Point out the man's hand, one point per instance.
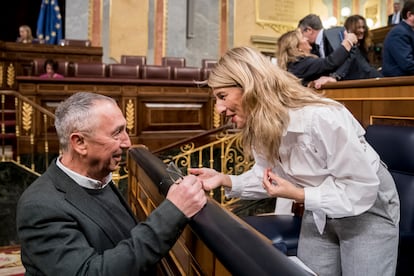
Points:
(188, 195)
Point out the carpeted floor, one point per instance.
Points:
(10, 263)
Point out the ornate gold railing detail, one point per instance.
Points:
(130, 115)
(11, 74)
(3, 128)
(216, 119)
(225, 154)
(1, 74)
(27, 111)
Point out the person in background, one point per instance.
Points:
(51, 67)
(308, 149)
(323, 42)
(25, 34)
(357, 65)
(294, 55)
(73, 221)
(395, 17)
(358, 25)
(398, 50)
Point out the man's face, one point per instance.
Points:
(107, 142)
(310, 34)
(396, 7)
(410, 19)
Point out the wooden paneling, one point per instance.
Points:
(163, 112)
(21, 51)
(159, 113)
(16, 58)
(381, 98)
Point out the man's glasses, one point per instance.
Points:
(174, 172)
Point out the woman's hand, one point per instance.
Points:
(210, 178)
(350, 39)
(276, 186)
(321, 81)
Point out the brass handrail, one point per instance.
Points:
(193, 138)
(29, 101)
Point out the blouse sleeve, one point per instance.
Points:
(249, 184)
(351, 183)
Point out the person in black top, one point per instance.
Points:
(323, 42)
(294, 55)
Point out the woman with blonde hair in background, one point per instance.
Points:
(294, 55)
(308, 149)
(25, 34)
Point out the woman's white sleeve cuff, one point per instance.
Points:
(312, 198)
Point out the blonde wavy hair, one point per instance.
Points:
(268, 94)
(287, 48)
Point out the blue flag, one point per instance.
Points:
(49, 23)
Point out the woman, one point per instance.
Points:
(358, 66)
(309, 149)
(358, 25)
(50, 66)
(294, 54)
(25, 34)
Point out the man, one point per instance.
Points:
(73, 221)
(323, 42)
(398, 51)
(395, 17)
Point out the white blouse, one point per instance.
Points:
(324, 151)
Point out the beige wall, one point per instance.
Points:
(278, 16)
(270, 18)
(128, 34)
(255, 21)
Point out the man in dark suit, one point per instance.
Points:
(398, 51)
(396, 16)
(323, 42)
(73, 221)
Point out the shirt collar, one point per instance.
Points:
(84, 181)
(319, 37)
(299, 118)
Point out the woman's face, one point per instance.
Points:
(23, 33)
(229, 103)
(360, 29)
(304, 45)
(49, 69)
